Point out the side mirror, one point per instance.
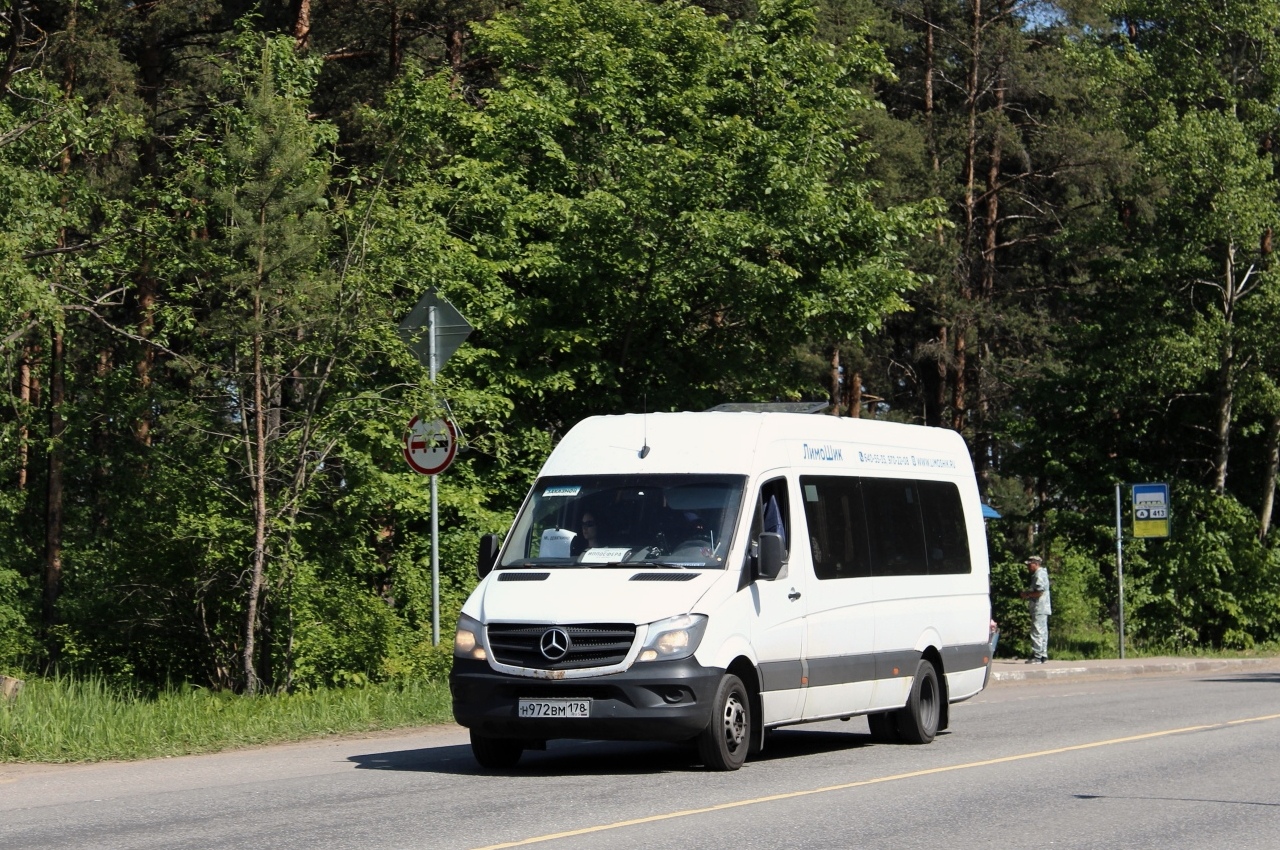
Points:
(769, 564)
(489, 545)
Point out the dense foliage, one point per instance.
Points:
(1047, 226)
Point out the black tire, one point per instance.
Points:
(724, 744)
(918, 720)
(495, 753)
(884, 727)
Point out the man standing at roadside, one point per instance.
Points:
(1037, 596)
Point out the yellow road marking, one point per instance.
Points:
(791, 795)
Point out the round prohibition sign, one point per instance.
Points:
(429, 446)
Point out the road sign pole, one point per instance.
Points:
(435, 515)
(1120, 564)
(435, 567)
(445, 331)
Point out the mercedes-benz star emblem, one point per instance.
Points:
(554, 644)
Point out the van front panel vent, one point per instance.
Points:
(664, 576)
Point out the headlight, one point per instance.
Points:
(467, 640)
(673, 638)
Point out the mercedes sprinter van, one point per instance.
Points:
(707, 577)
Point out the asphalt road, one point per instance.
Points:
(1185, 758)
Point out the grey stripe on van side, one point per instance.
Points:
(841, 669)
(896, 664)
(957, 659)
(781, 675)
(867, 667)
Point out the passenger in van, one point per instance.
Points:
(588, 534)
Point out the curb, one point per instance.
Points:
(1005, 671)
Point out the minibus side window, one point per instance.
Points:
(945, 534)
(772, 513)
(837, 526)
(896, 530)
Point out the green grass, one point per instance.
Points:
(70, 720)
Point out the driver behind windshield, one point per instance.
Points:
(588, 534)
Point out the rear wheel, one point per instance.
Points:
(918, 720)
(723, 745)
(495, 753)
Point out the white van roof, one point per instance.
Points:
(744, 443)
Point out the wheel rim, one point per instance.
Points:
(735, 722)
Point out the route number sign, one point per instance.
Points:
(1150, 510)
(430, 445)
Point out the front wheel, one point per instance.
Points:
(723, 745)
(918, 719)
(495, 753)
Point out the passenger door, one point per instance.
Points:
(778, 608)
(840, 626)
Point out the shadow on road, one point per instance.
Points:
(580, 758)
(1174, 800)
(606, 758)
(1265, 678)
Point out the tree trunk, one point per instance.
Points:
(258, 481)
(146, 358)
(1226, 375)
(960, 364)
(301, 24)
(397, 47)
(152, 69)
(987, 289)
(28, 399)
(991, 224)
(936, 402)
(57, 426)
(930, 60)
(1269, 482)
(54, 498)
(971, 115)
(455, 47)
(1222, 416)
(959, 387)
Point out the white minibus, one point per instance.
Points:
(707, 577)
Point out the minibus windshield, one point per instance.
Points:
(673, 521)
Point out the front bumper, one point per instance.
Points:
(658, 701)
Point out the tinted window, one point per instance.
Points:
(884, 527)
(837, 528)
(945, 535)
(896, 533)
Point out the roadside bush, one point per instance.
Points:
(1213, 583)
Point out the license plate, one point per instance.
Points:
(552, 708)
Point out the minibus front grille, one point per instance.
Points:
(589, 645)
